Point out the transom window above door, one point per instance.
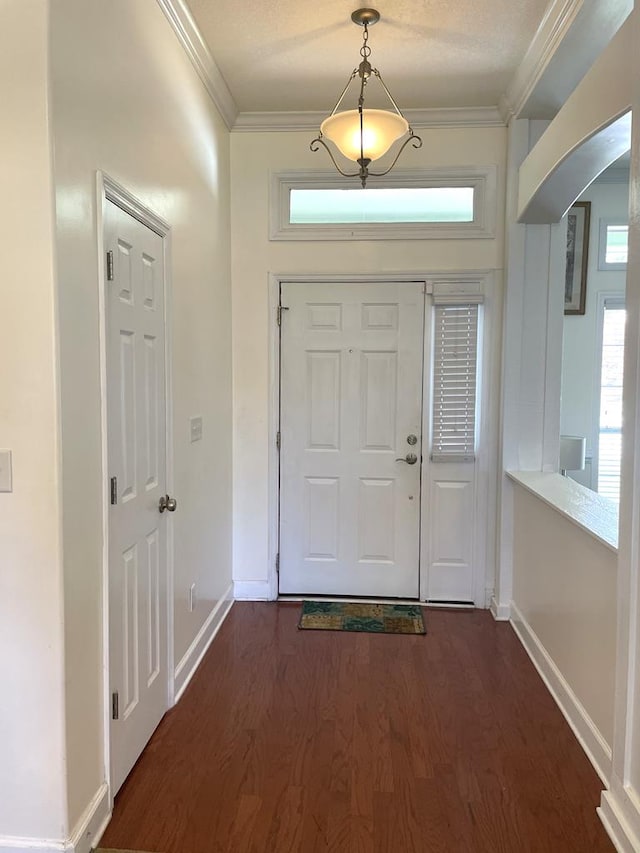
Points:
(381, 204)
(457, 203)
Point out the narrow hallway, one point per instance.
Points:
(316, 741)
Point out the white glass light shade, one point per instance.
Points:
(380, 128)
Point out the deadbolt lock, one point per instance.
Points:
(412, 439)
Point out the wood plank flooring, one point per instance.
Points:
(292, 741)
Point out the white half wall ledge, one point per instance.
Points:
(591, 131)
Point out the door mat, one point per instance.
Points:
(370, 618)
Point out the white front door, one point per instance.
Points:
(351, 403)
(136, 425)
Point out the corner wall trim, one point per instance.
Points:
(252, 591)
(595, 746)
(196, 48)
(192, 658)
(93, 822)
(500, 612)
(618, 829)
(83, 839)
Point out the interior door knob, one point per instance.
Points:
(410, 459)
(170, 504)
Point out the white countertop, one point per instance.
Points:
(589, 510)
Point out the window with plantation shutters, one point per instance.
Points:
(455, 360)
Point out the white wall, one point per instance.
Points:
(126, 100)
(580, 355)
(31, 650)
(254, 156)
(564, 587)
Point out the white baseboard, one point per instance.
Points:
(12, 844)
(595, 746)
(88, 831)
(84, 837)
(191, 660)
(500, 612)
(623, 836)
(252, 591)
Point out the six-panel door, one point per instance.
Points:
(136, 426)
(351, 388)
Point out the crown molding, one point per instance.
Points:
(186, 29)
(554, 26)
(572, 35)
(251, 122)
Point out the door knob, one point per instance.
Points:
(170, 504)
(410, 459)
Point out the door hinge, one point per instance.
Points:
(109, 266)
(278, 564)
(281, 308)
(278, 439)
(428, 288)
(114, 491)
(115, 706)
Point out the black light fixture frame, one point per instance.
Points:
(365, 18)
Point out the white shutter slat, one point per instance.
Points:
(455, 358)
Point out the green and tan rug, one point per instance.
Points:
(371, 618)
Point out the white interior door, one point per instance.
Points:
(351, 394)
(136, 423)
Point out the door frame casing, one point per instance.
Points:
(456, 281)
(109, 190)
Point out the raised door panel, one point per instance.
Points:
(128, 420)
(130, 627)
(323, 400)
(376, 521)
(451, 537)
(152, 607)
(151, 440)
(378, 400)
(322, 518)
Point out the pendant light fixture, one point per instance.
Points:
(365, 135)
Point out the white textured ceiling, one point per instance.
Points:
(285, 55)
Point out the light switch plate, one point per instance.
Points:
(6, 479)
(195, 427)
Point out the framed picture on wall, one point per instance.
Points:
(575, 283)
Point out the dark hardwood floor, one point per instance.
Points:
(313, 741)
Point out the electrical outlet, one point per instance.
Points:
(192, 598)
(6, 480)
